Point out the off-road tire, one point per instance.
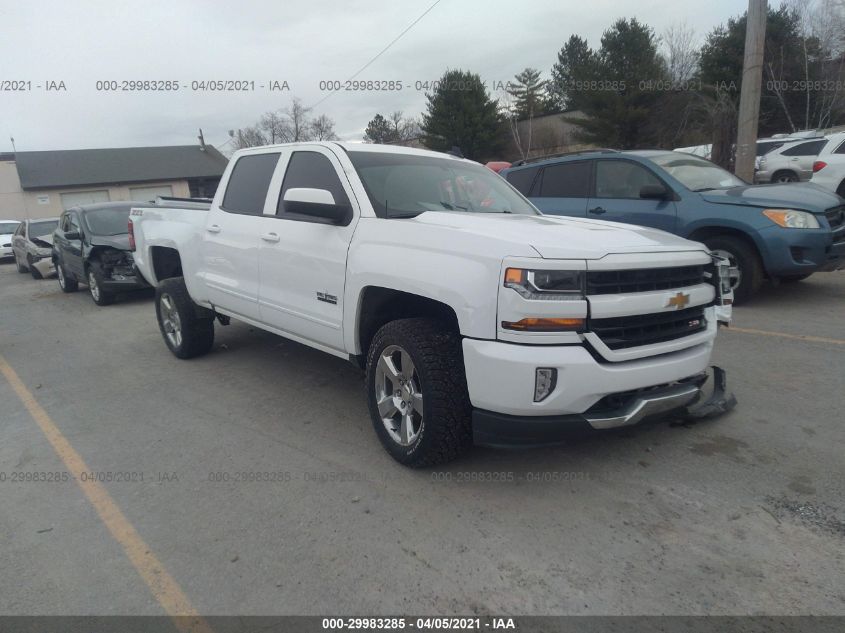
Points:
(446, 428)
(65, 283)
(196, 323)
(746, 257)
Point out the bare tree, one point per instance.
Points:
(522, 135)
(248, 137)
(322, 129)
(403, 129)
(274, 126)
(680, 51)
(298, 122)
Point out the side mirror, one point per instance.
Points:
(316, 203)
(73, 235)
(654, 192)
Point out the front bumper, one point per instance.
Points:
(682, 398)
(125, 283)
(803, 251)
(44, 265)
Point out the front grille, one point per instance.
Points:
(606, 282)
(646, 329)
(836, 217)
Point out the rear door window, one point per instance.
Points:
(247, 188)
(806, 149)
(522, 179)
(566, 180)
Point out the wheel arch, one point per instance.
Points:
(703, 233)
(378, 305)
(166, 263)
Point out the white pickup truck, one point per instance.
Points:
(476, 317)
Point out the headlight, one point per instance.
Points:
(546, 285)
(791, 219)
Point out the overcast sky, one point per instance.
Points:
(301, 42)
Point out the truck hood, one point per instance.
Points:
(560, 238)
(120, 242)
(804, 196)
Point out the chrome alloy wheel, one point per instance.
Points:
(92, 285)
(399, 395)
(170, 320)
(60, 273)
(734, 272)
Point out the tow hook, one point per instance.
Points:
(720, 401)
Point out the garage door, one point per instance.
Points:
(142, 194)
(77, 198)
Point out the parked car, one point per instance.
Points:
(91, 246)
(32, 246)
(7, 230)
(475, 316)
(791, 162)
(783, 232)
(829, 168)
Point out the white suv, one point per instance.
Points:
(792, 162)
(829, 166)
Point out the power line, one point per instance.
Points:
(382, 51)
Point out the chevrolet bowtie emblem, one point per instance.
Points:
(680, 301)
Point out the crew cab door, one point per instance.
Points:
(302, 259)
(617, 197)
(229, 244)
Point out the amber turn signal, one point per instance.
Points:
(540, 324)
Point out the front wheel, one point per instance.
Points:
(745, 269)
(186, 333)
(65, 283)
(417, 392)
(95, 286)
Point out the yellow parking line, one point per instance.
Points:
(796, 337)
(165, 589)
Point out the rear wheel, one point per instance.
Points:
(95, 286)
(785, 176)
(417, 392)
(187, 331)
(65, 283)
(36, 274)
(746, 269)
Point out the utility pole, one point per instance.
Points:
(749, 96)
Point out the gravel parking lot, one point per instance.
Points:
(252, 478)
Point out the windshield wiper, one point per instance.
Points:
(400, 216)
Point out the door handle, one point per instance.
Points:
(270, 237)
(214, 228)
(598, 210)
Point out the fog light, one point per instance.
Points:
(544, 383)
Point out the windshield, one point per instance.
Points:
(404, 185)
(696, 173)
(8, 227)
(109, 221)
(37, 229)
